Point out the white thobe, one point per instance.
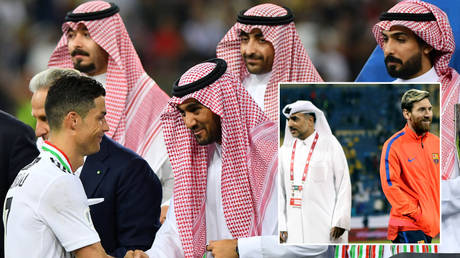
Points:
(167, 241)
(429, 77)
(256, 84)
(157, 157)
(326, 194)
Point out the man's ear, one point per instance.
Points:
(427, 49)
(72, 120)
(406, 114)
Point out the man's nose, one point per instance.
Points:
(189, 120)
(41, 129)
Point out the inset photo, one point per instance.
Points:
(359, 163)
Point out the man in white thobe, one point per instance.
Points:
(315, 192)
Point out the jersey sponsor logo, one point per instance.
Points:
(435, 158)
(410, 160)
(59, 165)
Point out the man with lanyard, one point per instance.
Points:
(409, 173)
(263, 49)
(46, 211)
(315, 198)
(96, 42)
(223, 151)
(129, 193)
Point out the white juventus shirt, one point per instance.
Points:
(46, 211)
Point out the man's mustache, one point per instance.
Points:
(392, 59)
(79, 52)
(253, 56)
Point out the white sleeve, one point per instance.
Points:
(450, 196)
(342, 210)
(166, 176)
(167, 241)
(268, 245)
(157, 157)
(64, 207)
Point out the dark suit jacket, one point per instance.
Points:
(128, 218)
(17, 149)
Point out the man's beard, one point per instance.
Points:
(420, 127)
(408, 69)
(84, 68)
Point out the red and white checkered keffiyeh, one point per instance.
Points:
(449, 97)
(291, 63)
(437, 34)
(249, 160)
(133, 101)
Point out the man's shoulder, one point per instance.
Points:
(9, 126)
(117, 157)
(42, 171)
(115, 150)
(395, 139)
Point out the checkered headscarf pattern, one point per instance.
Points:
(437, 34)
(291, 63)
(133, 101)
(449, 97)
(249, 160)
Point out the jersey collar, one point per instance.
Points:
(59, 154)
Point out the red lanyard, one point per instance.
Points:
(308, 159)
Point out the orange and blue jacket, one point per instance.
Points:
(410, 177)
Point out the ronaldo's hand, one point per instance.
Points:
(336, 232)
(223, 248)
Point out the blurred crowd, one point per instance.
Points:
(172, 35)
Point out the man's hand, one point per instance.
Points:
(164, 210)
(223, 248)
(136, 254)
(283, 236)
(336, 232)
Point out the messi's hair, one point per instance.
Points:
(411, 96)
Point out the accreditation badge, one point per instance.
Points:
(296, 196)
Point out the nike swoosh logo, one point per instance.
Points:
(410, 160)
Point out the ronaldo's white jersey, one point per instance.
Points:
(46, 211)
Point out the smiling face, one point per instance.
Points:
(405, 56)
(258, 53)
(420, 117)
(87, 56)
(92, 128)
(205, 125)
